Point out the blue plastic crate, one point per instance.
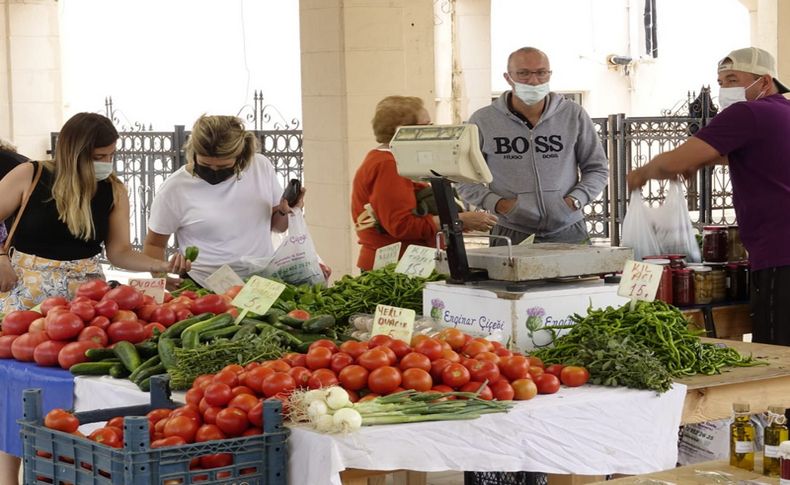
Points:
(54, 457)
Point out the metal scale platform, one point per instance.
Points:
(451, 153)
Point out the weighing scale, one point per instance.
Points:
(442, 154)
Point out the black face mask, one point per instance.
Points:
(213, 176)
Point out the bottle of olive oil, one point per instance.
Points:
(775, 433)
(741, 438)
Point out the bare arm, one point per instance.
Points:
(685, 159)
(13, 188)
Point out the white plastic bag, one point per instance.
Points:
(665, 229)
(295, 261)
(638, 232)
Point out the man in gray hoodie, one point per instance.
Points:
(545, 156)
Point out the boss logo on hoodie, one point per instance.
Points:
(513, 148)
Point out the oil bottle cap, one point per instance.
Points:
(776, 409)
(740, 407)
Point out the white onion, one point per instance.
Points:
(316, 409)
(347, 419)
(337, 398)
(325, 423)
(313, 395)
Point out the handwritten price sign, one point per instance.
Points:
(396, 322)
(417, 261)
(258, 295)
(223, 279)
(155, 287)
(387, 255)
(640, 280)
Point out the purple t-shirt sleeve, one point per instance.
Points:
(731, 129)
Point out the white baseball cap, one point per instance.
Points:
(753, 60)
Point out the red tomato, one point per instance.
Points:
(547, 383)
(354, 348)
(322, 378)
(216, 460)
(232, 421)
(417, 379)
(377, 340)
(61, 420)
(354, 377)
(209, 432)
(151, 327)
(181, 426)
(488, 356)
(83, 309)
(373, 359)
(156, 415)
(515, 367)
(74, 353)
(417, 339)
(475, 346)
(210, 414)
(451, 355)
(384, 380)
(300, 314)
(555, 369)
(37, 325)
(6, 341)
(203, 380)
(524, 389)
(400, 347)
(218, 394)
(484, 392)
(323, 343)
(392, 359)
(231, 292)
(46, 353)
(106, 437)
(301, 375)
(318, 358)
(245, 402)
(503, 352)
(443, 388)
(194, 395)
(64, 326)
(93, 289)
(52, 302)
(574, 376)
(277, 365)
(430, 347)
(145, 311)
(209, 303)
(101, 322)
(18, 322)
(437, 367)
(535, 361)
(455, 375)
(277, 383)
(254, 378)
(483, 370)
(535, 371)
(95, 334)
(255, 415)
(131, 331)
(294, 359)
(190, 411)
(127, 297)
(339, 361)
(368, 397)
(169, 441)
(107, 308)
(23, 346)
(164, 315)
(242, 389)
(503, 391)
(183, 314)
(415, 360)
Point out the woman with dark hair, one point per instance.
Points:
(77, 206)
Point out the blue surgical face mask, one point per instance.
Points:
(530, 94)
(102, 169)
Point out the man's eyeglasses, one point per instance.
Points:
(525, 74)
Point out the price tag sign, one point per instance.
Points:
(223, 279)
(640, 280)
(387, 255)
(396, 322)
(529, 240)
(258, 295)
(155, 287)
(417, 261)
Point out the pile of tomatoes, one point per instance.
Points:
(61, 331)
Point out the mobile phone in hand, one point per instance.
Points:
(292, 192)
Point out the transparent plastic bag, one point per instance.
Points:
(638, 231)
(672, 224)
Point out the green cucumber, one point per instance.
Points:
(91, 368)
(145, 385)
(128, 354)
(190, 338)
(146, 349)
(119, 371)
(245, 330)
(151, 362)
(273, 314)
(167, 352)
(177, 328)
(318, 324)
(220, 332)
(292, 321)
(95, 355)
(147, 373)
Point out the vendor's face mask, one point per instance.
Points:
(730, 96)
(213, 176)
(531, 94)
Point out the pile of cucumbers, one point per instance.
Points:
(157, 355)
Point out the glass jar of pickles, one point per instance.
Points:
(735, 249)
(703, 285)
(719, 282)
(714, 244)
(683, 287)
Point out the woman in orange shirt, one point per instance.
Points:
(382, 202)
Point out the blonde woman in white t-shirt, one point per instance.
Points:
(226, 200)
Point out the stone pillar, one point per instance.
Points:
(30, 91)
(354, 53)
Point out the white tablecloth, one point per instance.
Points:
(588, 431)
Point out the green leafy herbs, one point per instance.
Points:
(644, 348)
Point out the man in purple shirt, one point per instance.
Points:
(753, 133)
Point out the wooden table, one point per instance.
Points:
(721, 320)
(708, 398)
(700, 474)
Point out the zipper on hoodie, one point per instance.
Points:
(538, 186)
